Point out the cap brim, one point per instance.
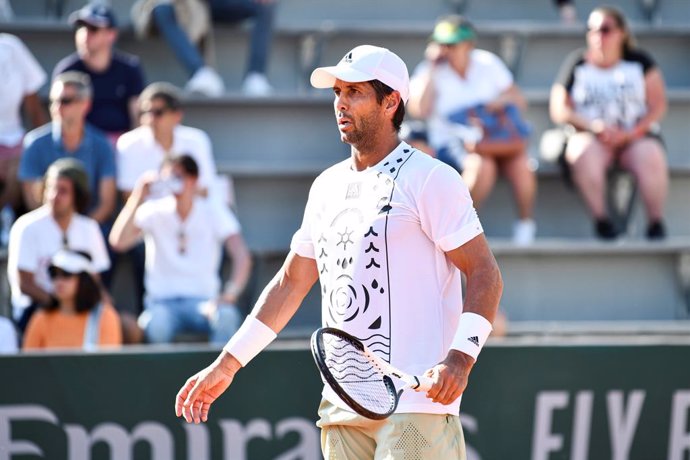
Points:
(75, 19)
(325, 77)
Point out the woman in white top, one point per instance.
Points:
(613, 95)
(456, 76)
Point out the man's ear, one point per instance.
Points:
(392, 101)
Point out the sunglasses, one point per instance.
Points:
(64, 100)
(55, 273)
(156, 113)
(603, 30)
(182, 242)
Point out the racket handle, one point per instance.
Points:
(424, 383)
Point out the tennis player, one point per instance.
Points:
(387, 232)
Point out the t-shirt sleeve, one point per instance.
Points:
(447, 214)
(110, 332)
(144, 216)
(99, 253)
(302, 243)
(225, 221)
(566, 74)
(30, 165)
(33, 74)
(126, 176)
(28, 259)
(645, 59)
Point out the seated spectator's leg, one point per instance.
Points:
(160, 320)
(224, 324)
(184, 49)
(262, 29)
(590, 160)
(479, 174)
(646, 160)
(10, 190)
(523, 182)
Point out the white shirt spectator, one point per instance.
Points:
(21, 75)
(35, 237)
(487, 77)
(183, 257)
(8, 337)
(138, 152)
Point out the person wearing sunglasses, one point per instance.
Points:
(184, 234)
(613, 95)
(78, 318)
(117, 77)
(59, 223)
(69, 135)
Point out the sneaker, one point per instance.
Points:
(656, 230)
(605, 229)
(256, 84)
(524, 231)
(206, 81)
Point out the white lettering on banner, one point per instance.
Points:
(119, 440)
(622, 423)
(581, 425)
(158, 436)
(679, 438)
(8, 448)
(543, 441)
(470, 425)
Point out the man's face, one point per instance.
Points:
(158, 116)
(59, 195)
(357, 112)
(91, 40)
(67, 105)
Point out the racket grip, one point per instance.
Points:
(424, 383)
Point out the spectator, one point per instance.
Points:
(117, 77)
(456, 77)
(68, 135)
(184, 23)
(79, 318)
(39, 234)
(183, 234)
(566, 10)
(22, 77)
(161, 136)
(8, 337)
(613, 94)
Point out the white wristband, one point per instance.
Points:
(473, 330)
(252, 337)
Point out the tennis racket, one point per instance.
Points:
(359, 377)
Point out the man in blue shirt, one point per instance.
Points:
(68, 135)
(117, 77)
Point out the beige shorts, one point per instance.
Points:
(348, 436)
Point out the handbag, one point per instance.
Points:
(504, 132)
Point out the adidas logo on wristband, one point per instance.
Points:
(474, 339)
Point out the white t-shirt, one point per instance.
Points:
(487, 77)
(20, 75)
(138, 152)
(8, 337)
(379, 238)
(183, 258)
(35, 237)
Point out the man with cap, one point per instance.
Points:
(378, 226)
(68, 135)
(36, 236)
(117, 77)
(455, 76)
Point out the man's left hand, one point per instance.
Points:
(450, 377)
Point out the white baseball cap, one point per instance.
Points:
(365, 63)
(70, 261)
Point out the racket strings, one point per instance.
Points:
(357, 375)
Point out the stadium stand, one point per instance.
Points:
(566, 278)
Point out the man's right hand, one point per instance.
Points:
(194, 399)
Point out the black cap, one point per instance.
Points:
(96, 15)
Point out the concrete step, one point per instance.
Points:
(534, 51)
(560, 284)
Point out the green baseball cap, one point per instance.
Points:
(452, 30)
